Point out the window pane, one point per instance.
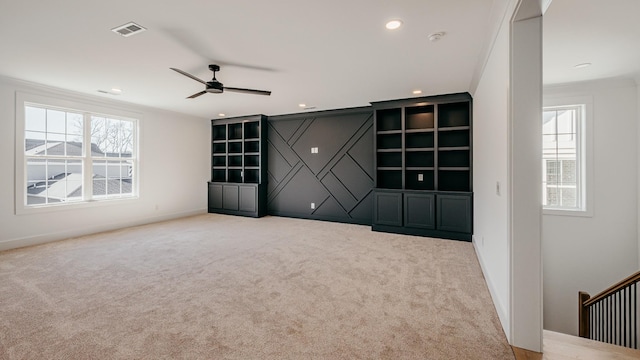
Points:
(552, 172)
(75, 128)
(552, 196)
(566, 121)
(99, 177)
(549, 122)
(549, 142)
(569, 172)
(127, 139)
(34, 143)
(53, 181)
(35, 119)
(112, 138)
(98, 136)
(568, 197)
(561, 179)
(46, 132)
(56, 122)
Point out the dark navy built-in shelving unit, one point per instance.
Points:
(238, 166)
(423, 183)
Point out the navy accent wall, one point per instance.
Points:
(338, 178)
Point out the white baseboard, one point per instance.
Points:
(500, 307)
(50, 237)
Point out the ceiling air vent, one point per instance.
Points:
(128, 29)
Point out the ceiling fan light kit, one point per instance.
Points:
(216, 87)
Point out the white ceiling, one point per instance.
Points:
(326, 54)
(604, 33)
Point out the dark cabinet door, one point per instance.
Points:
(215, 196)
(236, 199)
(419, 210)
(387, 208)
(454, 212)
(230, 197)
(248, 198)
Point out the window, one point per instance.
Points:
(563, 158)
(74, 156)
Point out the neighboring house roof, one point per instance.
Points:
(102, 186)
(74, 148)
(63, 186)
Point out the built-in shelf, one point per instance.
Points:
(423, 166)
(238, 166)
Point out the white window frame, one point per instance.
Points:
(584, 149)
(88, 109)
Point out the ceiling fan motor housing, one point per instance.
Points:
(214, 87)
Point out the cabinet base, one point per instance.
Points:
(233, 212)
(422, 232)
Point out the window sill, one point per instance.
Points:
(37, 209)
(562, 212)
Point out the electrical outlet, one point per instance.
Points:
(314, 150)
(313, 206)
(498, 188)
(420, 177)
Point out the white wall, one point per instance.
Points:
(174, 168)
(592, 253)
(638, 125)
(490, 159)
(525, 177)
(507, 100)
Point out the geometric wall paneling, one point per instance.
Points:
(279, 144)
(277, 164)
(338, 179)
(363, 150)
(353, 177)
(330, 210)
(330, 134)
(295, 194)
(361, 213)
(286, 129)
(339, 191)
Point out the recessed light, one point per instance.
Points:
(110, 92)
(116, 90)
(393, 24)
(436, 36)
(302, 105)
(222, 114)
(582, 66)
(417, 92)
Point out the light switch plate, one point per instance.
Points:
(420, 177)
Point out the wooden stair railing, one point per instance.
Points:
(612, 315)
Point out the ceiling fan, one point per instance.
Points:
(216, 87)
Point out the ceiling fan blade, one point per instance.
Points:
(197, 94)
(188, 75)
(248, 91)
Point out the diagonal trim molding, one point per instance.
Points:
(337, 180)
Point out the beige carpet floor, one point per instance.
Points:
(224, 287)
